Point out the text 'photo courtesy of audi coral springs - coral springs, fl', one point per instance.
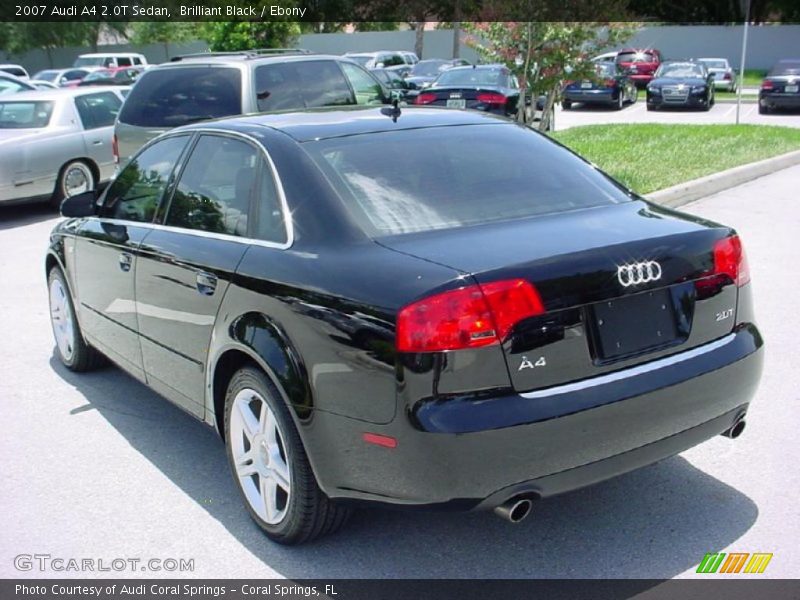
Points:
(375, 305)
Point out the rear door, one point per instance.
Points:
(187, 263)
(107, 248)
(98, 112)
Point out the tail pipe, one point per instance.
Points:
(735, 430)
(515, 509)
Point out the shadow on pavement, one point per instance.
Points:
(25, 214)
(653, 523)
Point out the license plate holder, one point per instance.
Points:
(792, 89)
(633, 324)
(456, 103)
(586, 85)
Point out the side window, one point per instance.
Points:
(135, 193)
(366, 87)
(98, 110)
(124, 61)
(109, 62)
(215, 189)
(393, 60)
(137, 60)
(270, 224)
(72, 75)
(301, 84)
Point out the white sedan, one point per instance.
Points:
(56, 143)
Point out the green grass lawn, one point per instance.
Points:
(648, 156)
(753, 77)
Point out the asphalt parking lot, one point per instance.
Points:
(721, 112)
(97, 466)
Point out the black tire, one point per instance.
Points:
(651, 107)
(82, 356)
(620, 101)
(566, 104)
(309, 512)
(61, 190)
(635, 96)
(763, 110)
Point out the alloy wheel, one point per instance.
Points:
(62, 320)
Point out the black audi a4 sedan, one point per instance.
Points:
(378, 306)
(685, 84)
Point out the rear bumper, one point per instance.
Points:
(601, 96)
(780, 100)
(641, 80)
(560, 442)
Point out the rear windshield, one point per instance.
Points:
(427, 68)
(47, 75)
(25, 115)
(494, 77)
(445, 177)
(786, 68)
(176, 96)
(715, 64)
(90, 61)
(635, 57)
(16, 71)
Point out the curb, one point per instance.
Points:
(689, 191)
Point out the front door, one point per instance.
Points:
(107, 248)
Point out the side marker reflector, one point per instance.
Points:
(380, 440)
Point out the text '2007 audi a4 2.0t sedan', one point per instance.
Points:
(435, 309)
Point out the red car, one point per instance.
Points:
(639, 64)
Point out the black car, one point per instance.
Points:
(781, 87)
(685, 84)
(391, 80)
(611, 86)
(378, 306)
(425, 72)
(489, 88)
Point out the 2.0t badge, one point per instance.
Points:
(638, 273)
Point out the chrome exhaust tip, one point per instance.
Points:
(736, 429)
(514, 510)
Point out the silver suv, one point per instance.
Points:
(205, 86)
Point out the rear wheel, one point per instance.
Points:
(74, 178)
(763, 110)
(620, 101)
(270, 465)
(651, 107)
(566, 104)
(72, 350)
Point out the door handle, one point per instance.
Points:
(206, 283)
(97, 143)
(125, 261)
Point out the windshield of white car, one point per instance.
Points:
(25, 115)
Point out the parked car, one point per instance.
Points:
(534, 326)
(391, 80)
(55, 143)
(606, 57)
(41, 84)
(686, 84)
(377, 60)
(211, 85)
(425, 72)
(15, 70)
(63, 77)
(724, 76)
(639, 64)
(490, 88)
(110, 59)
(611, 86)
(11, 85)
(112, 76)
(410, 59)
(781, 87)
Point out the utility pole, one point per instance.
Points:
(741, 63)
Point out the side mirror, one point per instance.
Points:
(80, 205)
(380, 65)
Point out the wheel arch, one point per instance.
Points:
(256, 339)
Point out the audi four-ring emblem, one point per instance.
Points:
(638, 273)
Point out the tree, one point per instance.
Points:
(543, 54)
(163, 32)
(26, 35)
(244, 35)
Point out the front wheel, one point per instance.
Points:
(566, 104)
(620, 101)
(71, 348)
(270, 465)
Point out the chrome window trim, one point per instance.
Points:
(288, 223)
(655, 365)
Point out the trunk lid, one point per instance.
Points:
(594, 322)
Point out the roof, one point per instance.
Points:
(99, 54)
(57, 93)
(339, 122)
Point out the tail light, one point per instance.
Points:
(766, 85)
(469, 317)
(425, 98)
(730, 266)
(610, 83)
(115, 149)
(491, 98)
(727, 77)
